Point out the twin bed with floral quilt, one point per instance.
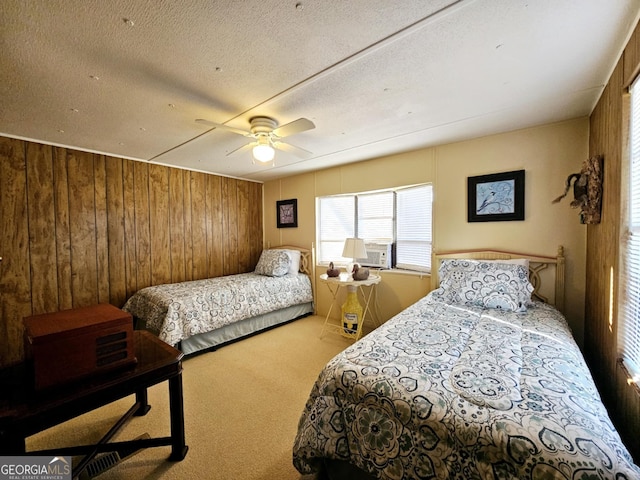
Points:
(202, 314)
(477, 380)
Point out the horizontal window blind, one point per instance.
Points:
(629, 323)
(335, 223)
(414, 236)
(375, 217)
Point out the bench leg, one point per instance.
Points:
(143, 400)
(178, 446)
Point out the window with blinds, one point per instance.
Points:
(629, 322)
(413, 232)
(375, 217)
(401, 216)
(335, 223)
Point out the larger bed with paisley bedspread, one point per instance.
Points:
(201, 314)
(477, 380)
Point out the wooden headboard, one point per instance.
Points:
(537, 265)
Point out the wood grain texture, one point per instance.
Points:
(102, 229)
(81, 228)
(63, 239)
(176, 225)
(215, 228)
(188, 238)
(243, 223)
(115, 231)
(230, 220)
(631, 58)
(256, 215)
(142, 221)
(198, 225)
(159, 222)
(42, 242)
(129, 227)
(15, 286)
(601, 313)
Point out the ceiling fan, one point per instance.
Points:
(267, 136)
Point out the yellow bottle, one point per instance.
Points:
(351, 311)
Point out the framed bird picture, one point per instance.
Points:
(498, 197)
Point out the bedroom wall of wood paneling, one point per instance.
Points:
(606, 137)
(81, 228)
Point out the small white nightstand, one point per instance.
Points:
(334, 284)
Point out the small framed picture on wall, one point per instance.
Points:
(287, 213)
(498, 197)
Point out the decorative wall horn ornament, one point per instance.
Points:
(587, 190)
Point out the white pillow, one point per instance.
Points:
(273, 263)
(294, 261)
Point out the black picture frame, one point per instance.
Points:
(287, 213)
(497, 197)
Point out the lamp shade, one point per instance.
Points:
(263, 153)
(354, 248)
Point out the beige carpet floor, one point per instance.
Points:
(242, 404)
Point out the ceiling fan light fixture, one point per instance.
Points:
(267, 135)
(263, 153)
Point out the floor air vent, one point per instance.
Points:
(106, 461)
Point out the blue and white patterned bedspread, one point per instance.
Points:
(450, 392)
(180, 310)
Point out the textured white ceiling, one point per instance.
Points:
(130, 77)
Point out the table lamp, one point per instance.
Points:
(353, 248)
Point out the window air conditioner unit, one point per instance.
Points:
(378, 255)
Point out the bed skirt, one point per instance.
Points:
(243, 328)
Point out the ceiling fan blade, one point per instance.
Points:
(297, 151)
(223, 127)
(243, 148)
(297, 126)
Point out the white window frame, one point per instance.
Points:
(629, 262)
(331, 235)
